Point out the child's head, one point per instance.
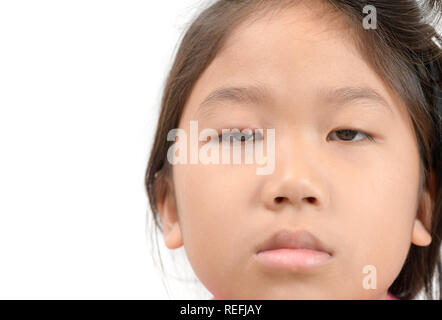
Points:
(358, 147)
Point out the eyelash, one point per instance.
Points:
(367, 135)
(253, 133)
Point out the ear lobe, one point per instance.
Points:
(173, 238)
(169, 219)
(421, 235)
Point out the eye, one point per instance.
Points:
(246, 135)
(350, 134)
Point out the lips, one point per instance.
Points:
(300, 239)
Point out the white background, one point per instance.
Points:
(80, 87)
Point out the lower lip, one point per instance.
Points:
(290, 258)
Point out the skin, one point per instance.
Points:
(366, 206)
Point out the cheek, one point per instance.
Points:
(210, 201)
(380, 208)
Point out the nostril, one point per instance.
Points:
(279, 199)
(311, 199)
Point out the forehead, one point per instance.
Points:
(289, 51)
(312, 20)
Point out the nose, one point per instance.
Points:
(299, 178)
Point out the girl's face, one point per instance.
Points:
(357, 196)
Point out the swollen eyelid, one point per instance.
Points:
(242, 136)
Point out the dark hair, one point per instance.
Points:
(404, 49)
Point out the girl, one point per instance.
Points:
(352, 208)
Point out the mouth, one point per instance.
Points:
(293, 250)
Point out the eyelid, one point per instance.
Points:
(370, 137)
(247, 130)
(259, 132)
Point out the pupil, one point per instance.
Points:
(348, 133)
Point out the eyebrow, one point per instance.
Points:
(261, 95)
(347, 95)
(255, 95)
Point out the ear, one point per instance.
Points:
(169, 219)
(422, 224)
